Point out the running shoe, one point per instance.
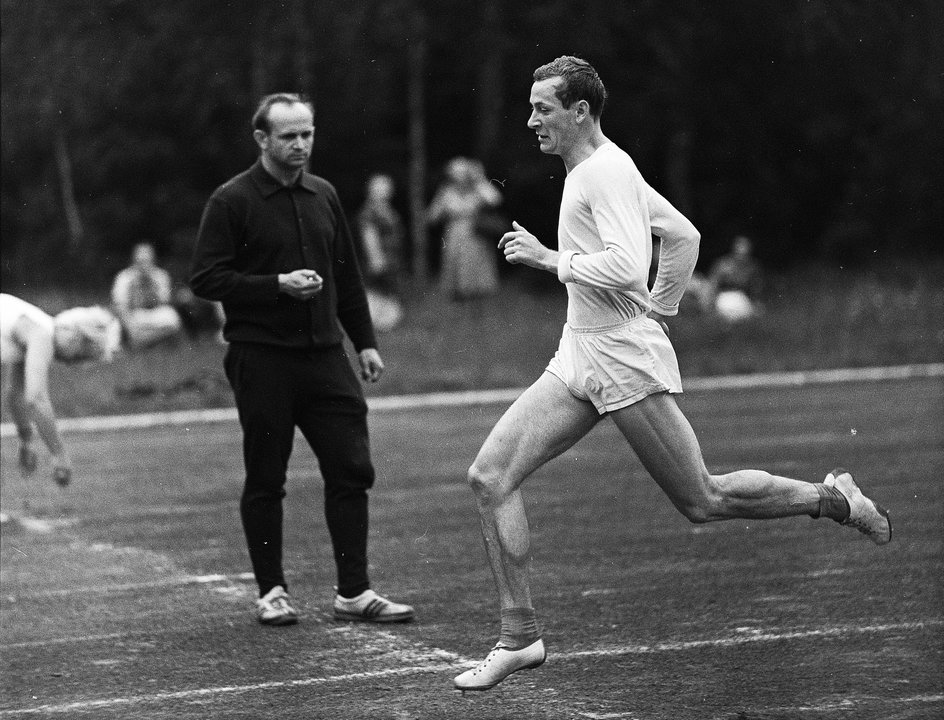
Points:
(275, 608)
(865, 515)
(371, 607)
(500, 663)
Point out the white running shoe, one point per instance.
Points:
(275, 608)
(865, 515)
(500, 663)
(371, 607)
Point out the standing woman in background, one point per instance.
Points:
(30, 339)
(470, 263)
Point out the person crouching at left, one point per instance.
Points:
(30, 339)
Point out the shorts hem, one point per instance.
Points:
(637, 397)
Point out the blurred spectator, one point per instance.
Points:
(381, 234)
(464, 204)
(141, 295)
(30, 340)
(736, 281)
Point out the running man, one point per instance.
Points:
(614, 359)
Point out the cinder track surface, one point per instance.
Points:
(127, 595)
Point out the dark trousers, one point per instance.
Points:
(277, 390)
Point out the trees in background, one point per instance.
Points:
(812, 127)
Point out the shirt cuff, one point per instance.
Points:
(564, 273)
(667, 310)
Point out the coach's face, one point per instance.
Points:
(291, 134)
(554, 124)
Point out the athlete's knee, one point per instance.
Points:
(706, 505)
(695, 513)
(486, 483)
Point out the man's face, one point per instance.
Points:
(554, 124)
(143, 256)
(288, 143)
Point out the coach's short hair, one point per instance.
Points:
(581, 82)
(260, 118)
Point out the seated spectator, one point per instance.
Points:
(141, 295)
(736, 279)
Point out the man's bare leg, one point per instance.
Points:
(666, 444)
(541, 424)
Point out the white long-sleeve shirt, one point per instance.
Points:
(12, 349)
(607, 218)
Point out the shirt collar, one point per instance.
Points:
(268, 185)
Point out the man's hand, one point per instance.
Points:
(520, 246)
(372, 365)
(62, 469)
(301, 284)
(659, 319)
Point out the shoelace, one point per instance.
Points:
(277, 604)
(488, 659)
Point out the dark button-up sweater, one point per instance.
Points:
(254, 228)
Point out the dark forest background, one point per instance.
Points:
(813, 127)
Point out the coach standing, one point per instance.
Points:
(275, 249)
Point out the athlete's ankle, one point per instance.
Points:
(519, 628)
(832, 503)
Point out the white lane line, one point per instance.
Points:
(748, 636)
(846, 705)
(224, 690)
(460, 662)
(503, 395)
(172, 581)
(852, 702)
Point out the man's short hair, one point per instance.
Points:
(87, 333)
(581, 82)
(260, 118)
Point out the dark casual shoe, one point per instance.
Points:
(500, 663)
(866, 516)
(371, 607)
(275, 608)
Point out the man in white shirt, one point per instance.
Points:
(615, 360)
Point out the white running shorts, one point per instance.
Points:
(616, 366)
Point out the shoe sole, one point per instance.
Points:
(278, 622)
(356, 617)
(482, 688)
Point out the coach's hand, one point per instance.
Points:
(372, 365)
(520, 246)
(301, 284)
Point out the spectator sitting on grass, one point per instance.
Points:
(141, 294)
(736, 280)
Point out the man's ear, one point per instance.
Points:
(261, 138)
(582, 111)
